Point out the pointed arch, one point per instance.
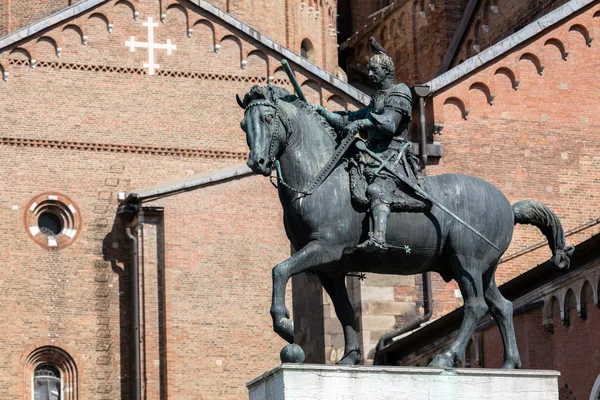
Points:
(482, 87)
(460, 104)
(510, 74)
(535, 60)
(584, 32)
(554, 42)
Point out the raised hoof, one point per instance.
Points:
(353, 357)
(285, 329)
(442, 361)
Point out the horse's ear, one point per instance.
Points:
(240, 101)
(271, 94)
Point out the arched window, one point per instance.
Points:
(50, 374)
(46, 383)
(307, 50)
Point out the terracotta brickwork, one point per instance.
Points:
(492, 21)
(415, 35)
(83, 117)
(556, 328)
(536, 140)
(15, 14)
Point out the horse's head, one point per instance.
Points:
(263, 124)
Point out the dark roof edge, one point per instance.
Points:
(458, 36)
(36, 27)
(502, 47)
(86, 5)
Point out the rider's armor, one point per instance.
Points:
(390, 112)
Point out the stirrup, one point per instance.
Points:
(372, 244)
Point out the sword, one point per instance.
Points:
(360, 145)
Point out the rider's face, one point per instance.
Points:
(376, 74)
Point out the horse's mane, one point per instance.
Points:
(262, 93)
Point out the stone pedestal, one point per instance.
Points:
(332, 382)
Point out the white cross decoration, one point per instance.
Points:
(150, 45)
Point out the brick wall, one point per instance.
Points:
(537, 142)
(416, 35)
(92, 123)
(493, 21)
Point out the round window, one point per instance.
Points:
(52, 220)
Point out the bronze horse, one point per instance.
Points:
(325, 226)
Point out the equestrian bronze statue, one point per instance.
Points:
(331, 182)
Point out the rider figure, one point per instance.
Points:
(386, 123)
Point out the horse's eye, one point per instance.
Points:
(269, 118)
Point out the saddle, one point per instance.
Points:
(404, 198)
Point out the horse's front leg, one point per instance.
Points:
(313, 255)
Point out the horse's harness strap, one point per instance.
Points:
(325, 171)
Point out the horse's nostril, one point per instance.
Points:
(261, 161)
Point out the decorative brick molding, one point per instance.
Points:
(123, 148)
(62, 208)
(58, 358)
(574, 294)
(536, 52)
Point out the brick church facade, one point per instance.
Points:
(107, 102)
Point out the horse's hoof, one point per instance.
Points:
(285, 329)
(512, 364)
(353, 357)
(442, 361)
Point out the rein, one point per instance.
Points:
(272, 155)
(329, 166)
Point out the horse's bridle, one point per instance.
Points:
(275, 132)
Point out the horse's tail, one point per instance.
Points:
(535, 213)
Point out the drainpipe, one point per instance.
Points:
(379, 358)
(127, 213)
(422, 91)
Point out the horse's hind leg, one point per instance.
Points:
(335, 285)
(468, 273)
(502, 311)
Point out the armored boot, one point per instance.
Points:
(380, 214)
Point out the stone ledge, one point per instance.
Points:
(309, 381)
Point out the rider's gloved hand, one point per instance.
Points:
(352, 128)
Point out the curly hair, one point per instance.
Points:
(384, 61)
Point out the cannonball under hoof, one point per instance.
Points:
(292, 353)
